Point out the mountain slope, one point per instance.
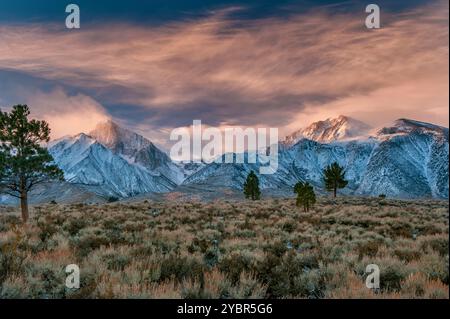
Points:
(408, 160)
(85, 161)
(309, 159)
(137, 149)
(233, 175)
(411, 161)
(330, 130)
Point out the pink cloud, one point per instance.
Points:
(272, 70)
(67, 115)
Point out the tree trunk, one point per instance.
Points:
(24, 206)
(334, 192)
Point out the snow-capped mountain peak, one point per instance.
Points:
(87, 162)
(406, 126)
(138, 150)
(330, 130)
(408, 159)
(119, 139)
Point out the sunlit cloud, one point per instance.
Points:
(279, 72)
(66, 115)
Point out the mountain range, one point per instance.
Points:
(330, 130)
(407, 159)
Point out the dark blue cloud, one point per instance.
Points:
(214, 104)
(162, 11)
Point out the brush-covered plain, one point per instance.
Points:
(227, 249)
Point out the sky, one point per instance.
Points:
(153, 66)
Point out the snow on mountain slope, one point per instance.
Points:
(408, 159)
(118, 139)
(137, 149)
(411, 161)
(330, 130)
(304, 161)
(406, 126)
(233, 175)
(85, 161)
(309, 158)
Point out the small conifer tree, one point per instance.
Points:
(305, 195)
(251, 187)
(334, 178)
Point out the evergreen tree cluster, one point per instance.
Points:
(333, 178)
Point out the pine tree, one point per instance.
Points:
(24, 163)
(334, 178)
(305, 195)
(251, 187)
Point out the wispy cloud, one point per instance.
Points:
(67, 115)
(266, 72)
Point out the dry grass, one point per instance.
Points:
(228, 249)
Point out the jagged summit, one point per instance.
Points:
(119, 139)
(329, 130)
(115, 161)
(86, 161)
(409, 160)
(406, 159)
(405, 126)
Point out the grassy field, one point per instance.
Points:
(228, 249)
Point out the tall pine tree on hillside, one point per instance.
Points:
(334, 178)
(251, 187)
(24, 163)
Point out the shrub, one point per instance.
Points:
(233, 265)
(112, 199)
(180, 268)
(279, 273)
(437, 244)
(46, 228)
(73, 226)
(278, 248)
(307, 285)
(401, 229)
(369, 249)
(88, 284)
(391, 277)
(11, 258)
(248, 287)
(116, 262)
(289, 226)
(87, 240)
(435, 268)
(195, 291)
(414, 285)
(52, 284)
(211, 257)
(407, 254)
